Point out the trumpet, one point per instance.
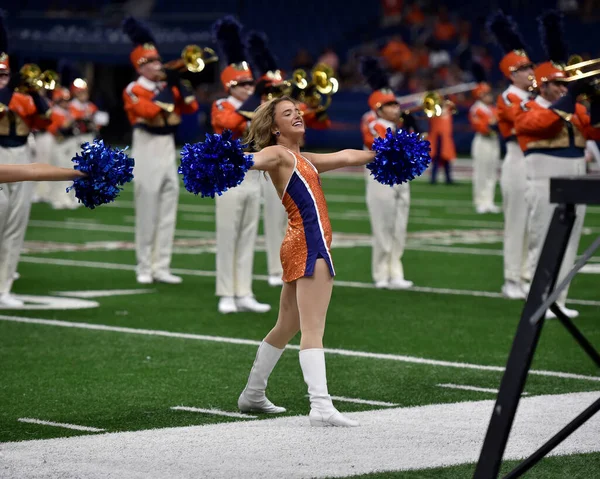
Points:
(193, 59)
(432, 105)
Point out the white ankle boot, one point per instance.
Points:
(253, 398)
(322, 410)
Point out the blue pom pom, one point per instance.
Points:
(215, 165)
(401, 157)
(107, 169)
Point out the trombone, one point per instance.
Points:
(193, 59)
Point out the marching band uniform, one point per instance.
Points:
(64, 147)
(154, 110)
(485, 151)
(238, 209)
(388, 205)
(19, 114)
(441, 138)
(83, 112)
(513, 182)
(553, 137)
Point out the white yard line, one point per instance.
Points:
(85, 226)
(251, 342)
(347, 284)
(472, 388)
(395, 439)
(103, 293)
(214, 412)
(60, 424)
(363, 401)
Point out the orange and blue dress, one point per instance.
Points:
(308, 234)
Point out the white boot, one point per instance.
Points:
(253, 397)
(322, 411)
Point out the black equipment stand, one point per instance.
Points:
(567, 192)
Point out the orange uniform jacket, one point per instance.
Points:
(543, 130)
(224, 115)
(480, 116)
(440, 136)
(59, 118)
(19, 119)
(144, 111)
(83, 114)
(508, 105)
(365, 122)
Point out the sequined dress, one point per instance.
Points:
(308, 234)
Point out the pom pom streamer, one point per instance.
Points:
(401, 157)
(215, 165)
(107, 170)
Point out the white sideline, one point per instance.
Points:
(472, 388)
(60, 424)
(251, 342)
(214, 412)
(348, 284)
(397, 439)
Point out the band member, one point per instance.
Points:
(517, 68)
(443, 150)
(83, 111)
(64, 133)
(19, 114)
(552, 131)
(485, 149)
(43, 151)
(154, 104)
(388, 206)
(237, 210)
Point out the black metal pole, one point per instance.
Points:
(524, 343)
(554, 441)
(578, 335)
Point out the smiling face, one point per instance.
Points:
(288, 121)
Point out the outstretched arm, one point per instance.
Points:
(270, 158)
(37, 172)
(340, 159)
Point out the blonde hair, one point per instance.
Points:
(260, 134)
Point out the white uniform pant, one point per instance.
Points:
(63, 152)
(15, 204)
(275, 223)
(513, 183)
(237, 215)
(388, 209)
(44, 145)
(485, 151)
(540, 168)
(156, 195)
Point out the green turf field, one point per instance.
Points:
(117, 380)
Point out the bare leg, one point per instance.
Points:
(253, 397)
(288, 321)
(313, 295)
